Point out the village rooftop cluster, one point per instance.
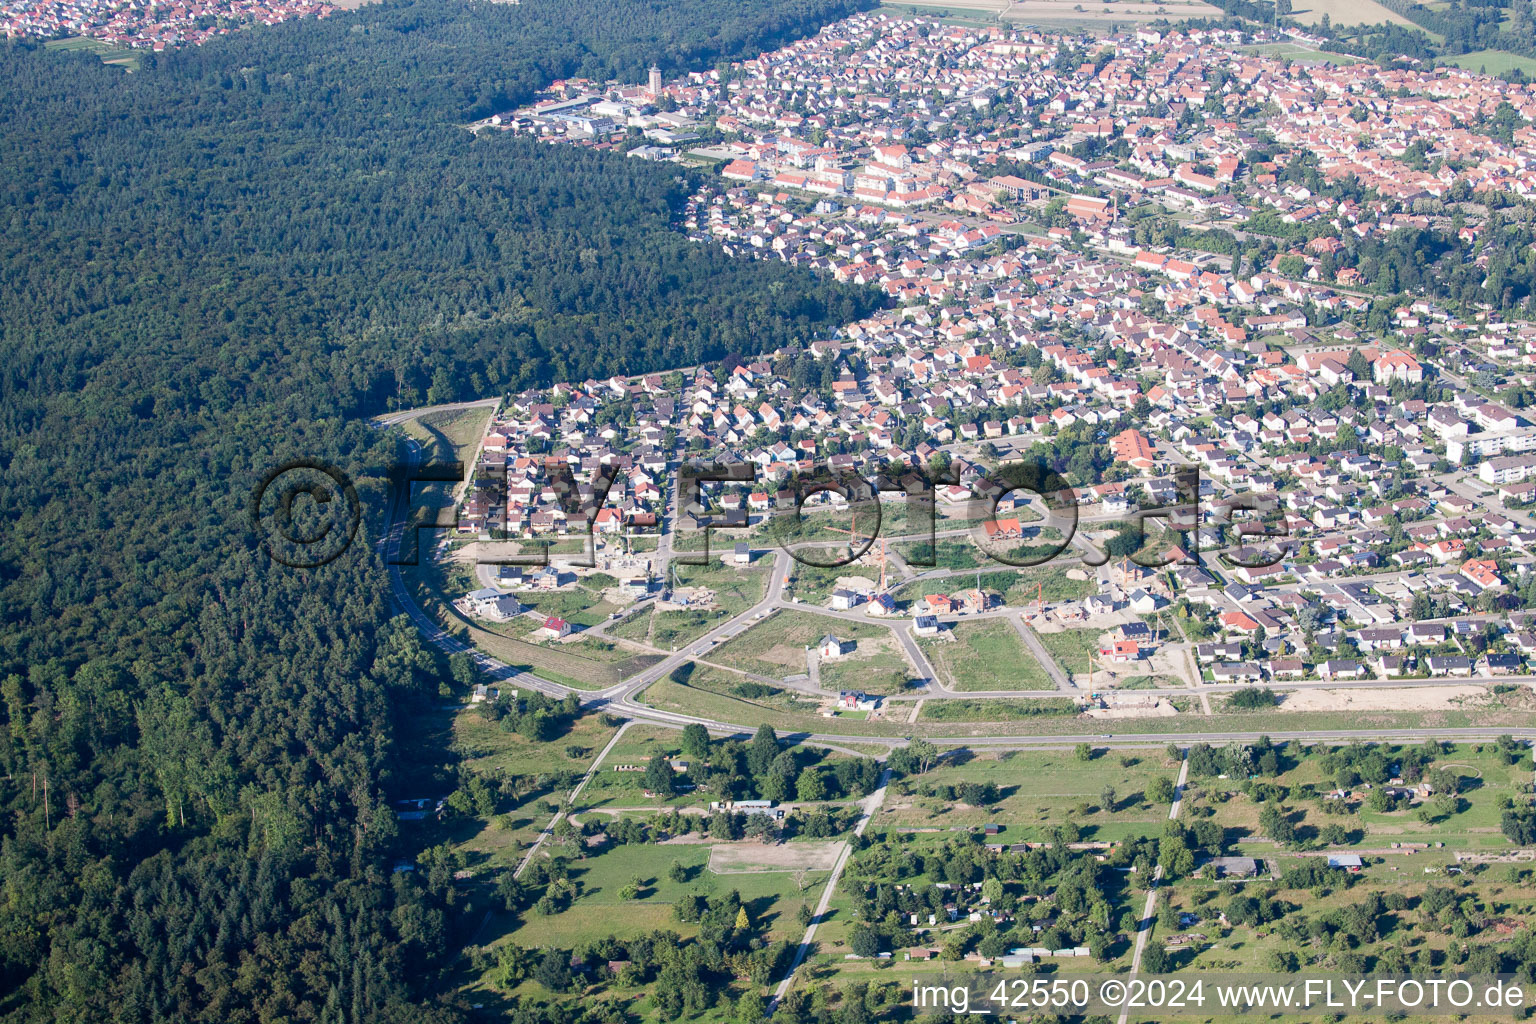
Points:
(147, 26)
(1032, 313)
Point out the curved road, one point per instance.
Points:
(621, 699)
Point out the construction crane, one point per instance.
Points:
(853, 535)
(1091, 660)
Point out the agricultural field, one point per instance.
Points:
(1038, 789)
(986, 654)
(1347, 12)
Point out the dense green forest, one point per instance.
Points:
(1471, 25)
(1464, 26)
(230, 259)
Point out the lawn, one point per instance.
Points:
(1295, 51)
(455, 433)
(721, 680)
(1486, 782)
(945, 554)
(986, 654)
(563, 663)
(1038, 789)
(598, 910)
(121, 56)
(995, 710)
(610, 788)
(671, 695)
(814, 584)
(877, 665)
(735, 591)
(1493, 62)
(775, 646)
(1071, 648)
(486, 747)
(578, 606)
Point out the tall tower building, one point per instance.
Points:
(655, 82)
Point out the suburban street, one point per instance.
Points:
(623, 697)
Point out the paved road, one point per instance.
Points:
(549, 829)
(920, 661)
(394, 419)
(621, 698)
(870, 805)
(1043, 656)
(1149, 912)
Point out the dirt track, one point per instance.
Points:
(1418, 698)
(751, 858)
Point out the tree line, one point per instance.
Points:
(228, 259)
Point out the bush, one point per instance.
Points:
(864, 942)
(1252, 699)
